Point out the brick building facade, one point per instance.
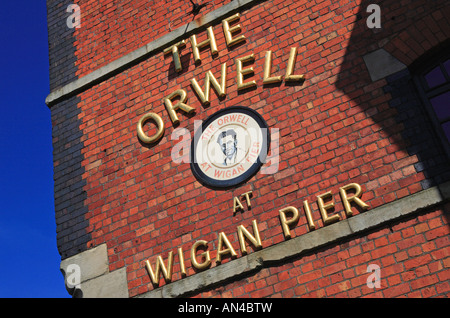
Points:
(353, 199)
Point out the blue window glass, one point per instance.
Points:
(447, 66)
(435, 77)
(441, 105)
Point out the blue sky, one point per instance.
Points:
(29, 259)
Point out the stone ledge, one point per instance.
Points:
(380, 64)
(110, 285)
(141, 53)
(92, 263)
(297, 246)
(95, 280)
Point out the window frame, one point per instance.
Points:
(426, 94)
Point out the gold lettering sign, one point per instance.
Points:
(140, 128)
(175, 54)
(228, 32)
(255, 239)
(171, 109)
(268, 70)
(243, 70)
(205, 255)
(285, 223)
(289, 217)
(221, 89)
(211, 40)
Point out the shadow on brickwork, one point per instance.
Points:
(69, 194)
(61, 39)
(420, 137)
(405, 121)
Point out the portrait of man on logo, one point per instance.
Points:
(229, 147)
(227, 141)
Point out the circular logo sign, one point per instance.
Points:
(230, 147)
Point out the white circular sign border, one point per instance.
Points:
(229, 180)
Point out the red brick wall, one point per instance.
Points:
(335, 128)
(114, 28)
(413, 257)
